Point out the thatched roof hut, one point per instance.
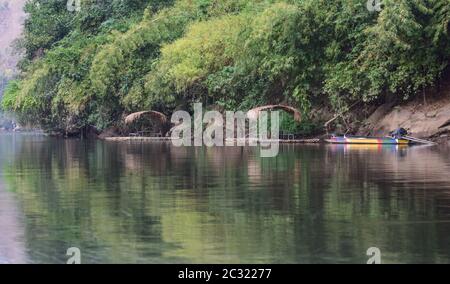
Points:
(146, 123)
(152, 115)
(254, 113)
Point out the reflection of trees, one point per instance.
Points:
(389, 196)
(153, 202)
(73, 196)
(11, 233)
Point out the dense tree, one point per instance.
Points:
(114, 57)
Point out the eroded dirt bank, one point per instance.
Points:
(424, 117)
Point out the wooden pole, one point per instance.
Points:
(339, 115)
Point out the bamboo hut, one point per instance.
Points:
(147, 123)
(254, 113)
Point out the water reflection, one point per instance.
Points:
(152, 203)
(11, 246)
(12, 249)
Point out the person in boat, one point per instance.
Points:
(399, 133)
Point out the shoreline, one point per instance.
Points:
(441, 142)
(169, 139)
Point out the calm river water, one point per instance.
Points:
(154, 203)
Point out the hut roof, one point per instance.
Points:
(254, 113)
(148, 114)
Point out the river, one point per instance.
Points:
(155, 203)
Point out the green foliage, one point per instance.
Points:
(55, 90)
(405, 51)
(304, 128)
(184, 65)
(137, 48)
(114, 57)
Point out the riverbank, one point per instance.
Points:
(426, 117)
(428, 120)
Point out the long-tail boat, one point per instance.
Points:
(397, 137)
(368, 140)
